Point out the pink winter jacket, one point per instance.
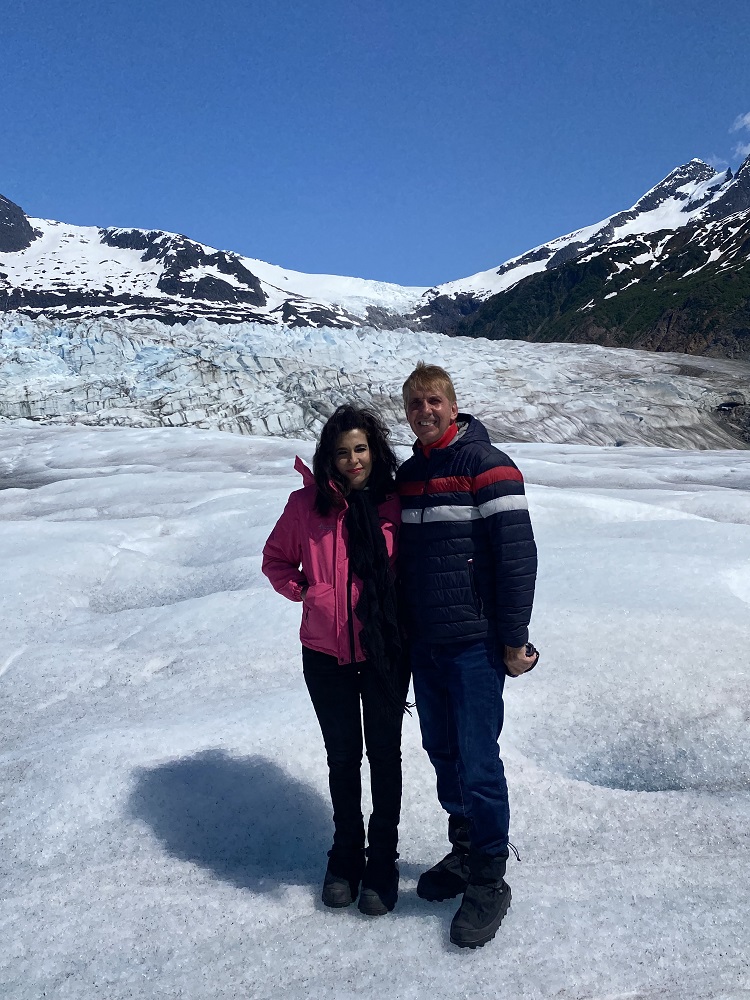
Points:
(303, 538)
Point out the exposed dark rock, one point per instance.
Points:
(77, 304)
(570, 252)
(540, 253)
(15, 229)
(210, 288)
(442, 313)
(384, 320)
(181, 255)
(735, 416)
(299, 313)
(128, 239)
(736, 198)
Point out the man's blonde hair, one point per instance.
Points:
(426, 377)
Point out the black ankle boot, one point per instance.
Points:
(379, 886)
(449, 877)
(485, 903)
(342, 878)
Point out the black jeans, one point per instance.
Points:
(337, 691)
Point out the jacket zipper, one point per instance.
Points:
(424, 491)
(349, 615)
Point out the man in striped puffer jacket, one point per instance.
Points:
(467, 567)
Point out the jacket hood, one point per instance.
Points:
(470, 431)
(308, 478)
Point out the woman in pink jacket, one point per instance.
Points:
(333, 549)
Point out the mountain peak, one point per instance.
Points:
(694, 172)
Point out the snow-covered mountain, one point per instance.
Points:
(59, 270)
(687, 240)
(81, 272)
(688, 191)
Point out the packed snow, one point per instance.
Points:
(355, 295)
(256, 379)
(166, 816)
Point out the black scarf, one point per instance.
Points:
(377, 605)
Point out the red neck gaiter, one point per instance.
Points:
(443, 442)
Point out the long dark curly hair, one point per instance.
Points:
(384, 462)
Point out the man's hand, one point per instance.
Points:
(518, 661)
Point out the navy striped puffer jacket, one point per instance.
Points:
(467, 557)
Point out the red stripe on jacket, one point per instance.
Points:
(461, 484)
(497, 475)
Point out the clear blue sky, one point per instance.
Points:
(407, 140)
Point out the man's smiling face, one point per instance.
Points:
(430, 413)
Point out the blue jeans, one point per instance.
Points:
(459, 693)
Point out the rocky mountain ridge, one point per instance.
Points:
(670, 273)
(684, 289)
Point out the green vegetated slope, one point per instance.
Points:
(687, 291)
